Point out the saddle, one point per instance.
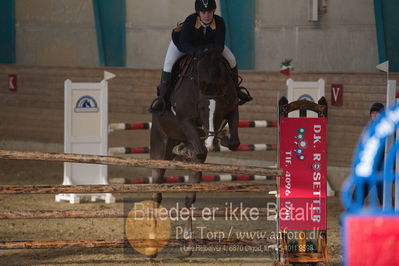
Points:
(179, 71)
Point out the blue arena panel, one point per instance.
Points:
(387, 24)
(239, 17)
(110, 17)
(371, 229)
(7, 32)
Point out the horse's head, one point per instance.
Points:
(214, 80)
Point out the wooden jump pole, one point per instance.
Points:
(95, 159)
(63, 244)
(112, 213)
(60, 214)
(125, 243)
(131, 188)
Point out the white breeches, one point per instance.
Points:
(173, 54)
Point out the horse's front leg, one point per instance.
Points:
(199, 151)
(195, 177)
(161, 150)
(234, 141)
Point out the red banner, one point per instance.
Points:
(303, 158)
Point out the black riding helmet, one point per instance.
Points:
(205, 5)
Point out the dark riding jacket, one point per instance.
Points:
(192, 36)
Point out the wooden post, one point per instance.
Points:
(94, 159)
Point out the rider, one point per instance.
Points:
(200, 29)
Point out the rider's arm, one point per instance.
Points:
(220, 33)
(186, 35)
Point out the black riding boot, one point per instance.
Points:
(160, 103)
(242, 93)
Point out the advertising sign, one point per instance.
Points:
(337, 94)
(303, 158)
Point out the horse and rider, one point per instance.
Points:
(199, 31)
(199, 94)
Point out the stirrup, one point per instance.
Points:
(244, 95)
(158, 105)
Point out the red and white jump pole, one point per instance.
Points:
(147, 125)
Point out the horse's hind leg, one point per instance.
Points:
(195, 178)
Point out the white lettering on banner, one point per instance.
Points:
(287, 183)
(288, 157)
(316, 130)
(287, 210)
(317, 189)
(316, 176)
(316, 139)
(336, 92)
(293, 213)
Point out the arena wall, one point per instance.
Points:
(62, 33)
(35, 112)
(51, 33)
(342, 40)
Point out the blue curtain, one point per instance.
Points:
(7, 32)
(239, 16)
(110, 17)
(387, 25)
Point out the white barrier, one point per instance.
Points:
(86, 121)
(308, 90)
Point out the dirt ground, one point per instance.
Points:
(32, 173)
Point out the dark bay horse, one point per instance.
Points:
(204, 100)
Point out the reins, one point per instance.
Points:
(183, 73)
